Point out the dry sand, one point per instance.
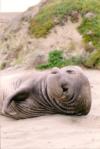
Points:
(56, 131)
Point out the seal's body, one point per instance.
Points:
(25, 94)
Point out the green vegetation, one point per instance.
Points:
(50, 15)
(57, 11)
(92, 26)
(56, 59)
(2, 65)
(93, 60)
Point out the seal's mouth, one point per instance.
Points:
(65, 88)
(69, 94)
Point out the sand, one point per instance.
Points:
(56, 131)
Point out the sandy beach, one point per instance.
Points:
(56, 131)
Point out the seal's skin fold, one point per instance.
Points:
(26, 94)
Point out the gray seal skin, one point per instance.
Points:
(26, 94)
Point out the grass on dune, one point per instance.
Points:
(56, 11)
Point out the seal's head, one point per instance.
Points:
(71, 87)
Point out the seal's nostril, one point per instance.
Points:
(69, 71)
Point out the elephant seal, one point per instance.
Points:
(26, 94)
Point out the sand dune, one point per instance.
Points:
(56, 131)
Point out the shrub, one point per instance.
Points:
(93, 60)
(56, 59)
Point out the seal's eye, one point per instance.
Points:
(69, 71)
